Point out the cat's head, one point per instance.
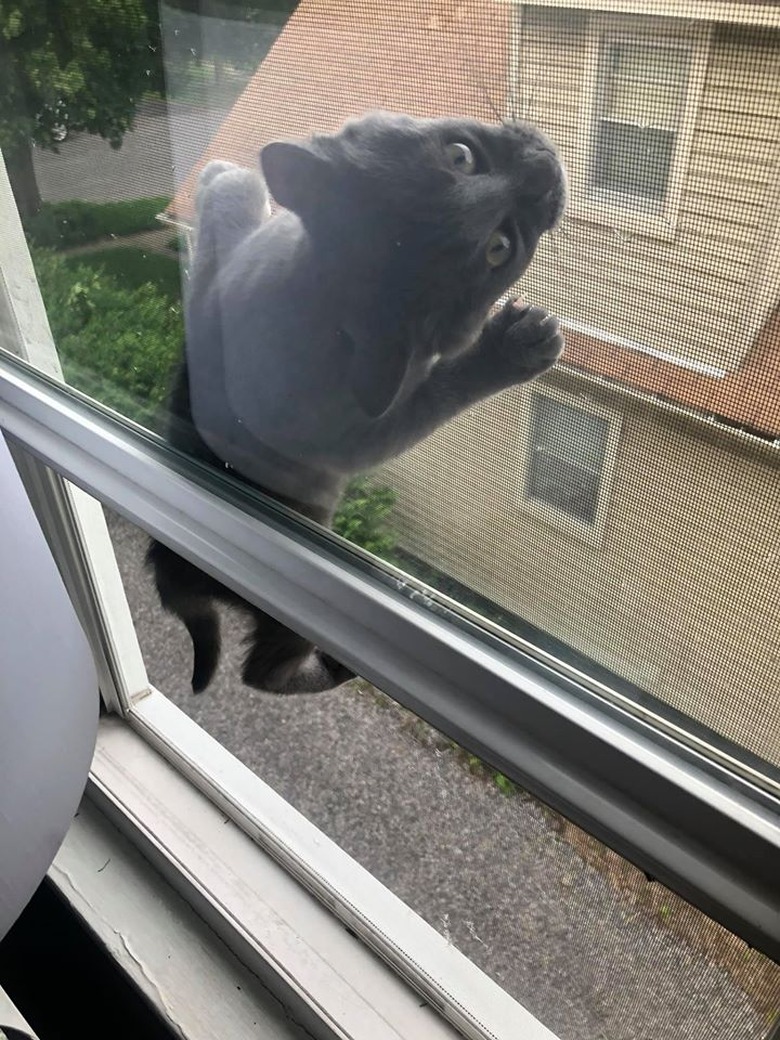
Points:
(429, 222)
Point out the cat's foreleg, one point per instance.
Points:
(516, 344)
(231, 201)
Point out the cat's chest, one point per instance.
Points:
(291, 388)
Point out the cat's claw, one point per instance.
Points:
(527, 339)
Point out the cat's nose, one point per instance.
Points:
(546, 181)
(543, 171)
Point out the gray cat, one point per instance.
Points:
(340, 332)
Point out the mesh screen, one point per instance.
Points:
(659, 566)
(662, 272)
(621, 512)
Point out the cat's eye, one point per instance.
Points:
(499, 249)
(462, 157)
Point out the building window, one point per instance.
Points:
(568, 450)
(639, 95)
(639, 107)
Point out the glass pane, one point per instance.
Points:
(567, 457)
(640, 101)
(633, 160)
(560, 484)
(356, 331)
(643, 84)
(569, 433)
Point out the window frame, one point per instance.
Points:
(606, 208)
(73, 523)
(702, 825)
(237, 853)
(591, 534)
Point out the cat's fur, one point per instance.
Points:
(348, 327)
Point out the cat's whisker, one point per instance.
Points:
(479, 83)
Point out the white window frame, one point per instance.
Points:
(290, 905)
(591, 534)
(614, 210)
(698, 820)
(621, 773)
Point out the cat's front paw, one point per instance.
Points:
(213, 169)
(525, 340)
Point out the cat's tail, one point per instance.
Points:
(206, 646)
(230, 203)
(188, 593)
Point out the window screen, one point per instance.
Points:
(656, 432)
(580, 937)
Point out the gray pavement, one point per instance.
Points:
(154, 159)
(155, 241)
(489, 871)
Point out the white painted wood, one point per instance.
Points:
(188, 975)
(24, 326)
(282, 923)
(73, 522)
(11, 1016)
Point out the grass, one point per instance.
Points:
(131, 268)
(61, 225)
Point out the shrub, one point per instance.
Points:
(132, 267)
(116, 344)
(60, 225)
(362, 517)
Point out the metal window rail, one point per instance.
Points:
(688, 822)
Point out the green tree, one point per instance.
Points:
(70, 65)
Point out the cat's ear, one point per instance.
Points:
(296, 174)
(376, 375)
